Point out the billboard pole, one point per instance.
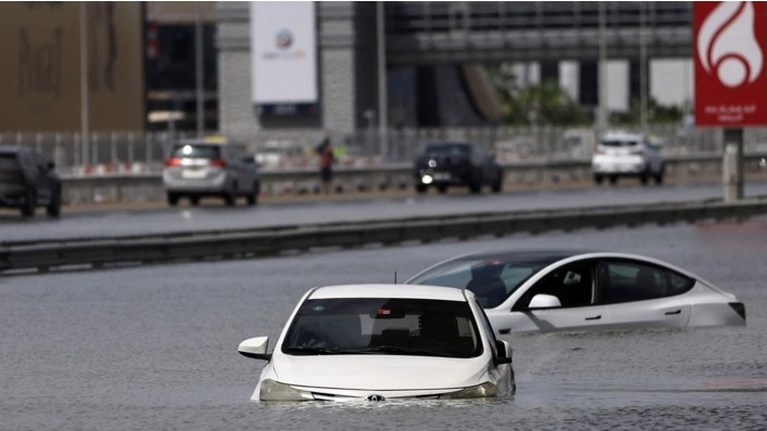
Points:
(732, 164)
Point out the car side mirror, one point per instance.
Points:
(255, 348)
(544, 301)
(504, 353)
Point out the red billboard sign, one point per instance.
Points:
(729, 46)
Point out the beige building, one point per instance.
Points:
(40, 81)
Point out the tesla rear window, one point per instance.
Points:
(196, 151)
(492, 282)
(619, 144)
(448, 150)
(383, 326)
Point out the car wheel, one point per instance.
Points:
(475, 187)
(659, 176)
(172, 199)
(497, 185)
(30, 202)
(253, 196)
(613, 179)
(644, 178)
(442, 189)
(598, 179)
(194, 200)
(54, 206)
(230, 197)
(420, 188)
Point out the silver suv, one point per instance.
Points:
(211, 166)
(28, 180)
(627, 155)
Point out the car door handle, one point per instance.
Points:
(594, 317)
(671, 313)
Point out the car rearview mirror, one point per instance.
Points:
(504, 352)
(544, 301)
(255, 348)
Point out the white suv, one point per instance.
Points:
(213, 166)
(627, 155)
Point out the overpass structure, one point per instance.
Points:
(460, 32)
(426, 47)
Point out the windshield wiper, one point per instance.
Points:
(306, 350)
(402, 351)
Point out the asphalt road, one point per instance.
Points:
(213, 216)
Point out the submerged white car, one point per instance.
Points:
(379, 342)
(542, 291)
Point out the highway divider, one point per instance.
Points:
(20, 257)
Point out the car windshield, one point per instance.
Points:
(443, 150)
(397, 326)
(492, 281)
(196, 151)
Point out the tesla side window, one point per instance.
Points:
(491, 281)
(572, 284)
(623, 281)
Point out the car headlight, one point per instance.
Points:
(486, 389)
(276, 391)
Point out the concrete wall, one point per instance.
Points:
(346, 74)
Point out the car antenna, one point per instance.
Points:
(395, 277)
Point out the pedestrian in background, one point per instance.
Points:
(326, 160)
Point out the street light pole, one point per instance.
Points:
(602, 72)
(642, 66)
(199, 71)
(84, 93)
(383, 109)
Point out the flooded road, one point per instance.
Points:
(155, 347)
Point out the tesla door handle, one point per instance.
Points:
(504, 331)
(594, 317)
(671, 313)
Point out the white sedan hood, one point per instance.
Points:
(380, 372)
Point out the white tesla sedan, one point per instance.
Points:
(541, 291)
(377, 342)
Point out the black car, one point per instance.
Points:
(28, 180)
(457, 164)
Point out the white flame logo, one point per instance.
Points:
(727, 45)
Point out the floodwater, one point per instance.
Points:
(155, 347)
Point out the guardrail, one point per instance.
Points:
(80, 254)
(148, 187)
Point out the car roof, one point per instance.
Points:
(622, 136)
(450, 143)
(12, 150)
(388, 291)
(208, 140)
(536, 255)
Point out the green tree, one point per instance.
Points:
(542, 104)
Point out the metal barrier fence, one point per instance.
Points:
(125, 152)
(398, 176)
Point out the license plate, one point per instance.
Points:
(441, 176)
(193, 173)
